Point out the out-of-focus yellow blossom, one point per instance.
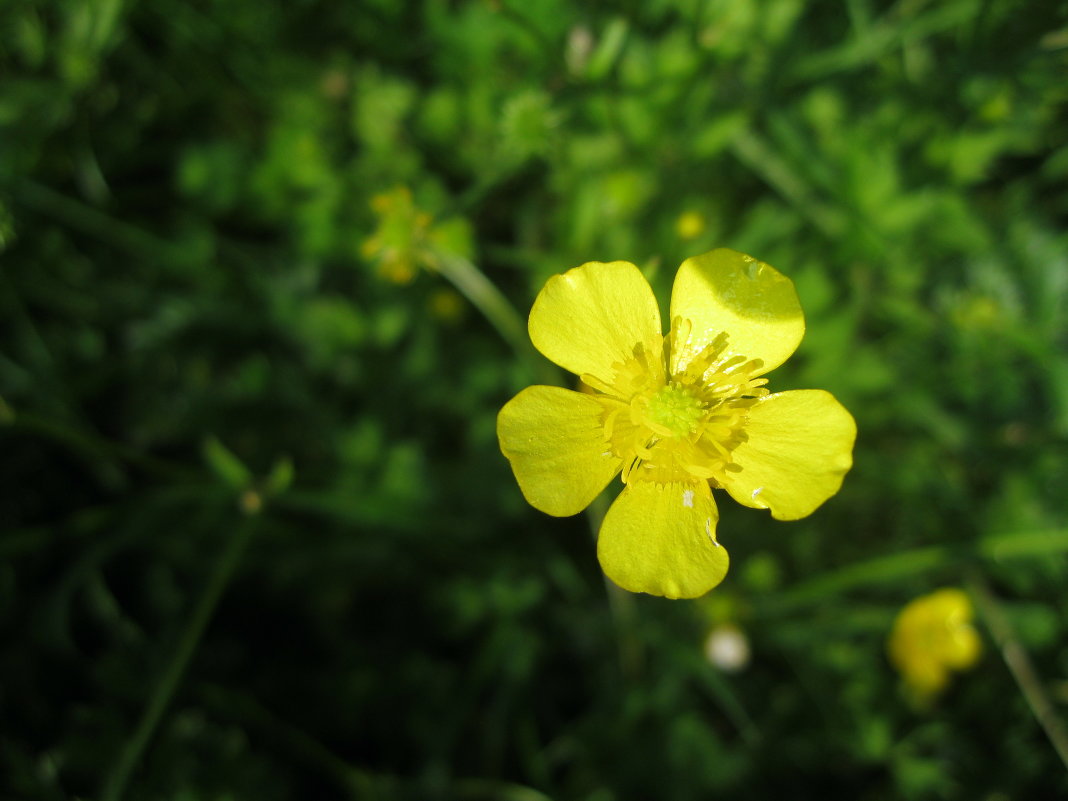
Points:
(446, 305)
(251, 502)
(408, 239)
(932, 636)
(396, 245)
(677, 415)
(978, 313)
(335, 83)
(690, 225)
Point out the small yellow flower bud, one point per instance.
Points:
(446, 305)
(251, 502)
(690, 225)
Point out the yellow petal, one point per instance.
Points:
(660, 539)
(799, 449)
(554, 439)
(756, 305)
(950, 604)
(962, 648)
(592, 316)
(926, 678)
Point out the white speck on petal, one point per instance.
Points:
(687, 499)
(607, 453)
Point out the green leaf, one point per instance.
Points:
(225, 464)
(281, 476)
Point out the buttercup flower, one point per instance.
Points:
(932, 636)
(408, 239)
(676, 415)
(690, 225)
(398, 243)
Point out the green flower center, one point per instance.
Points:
(675, 409)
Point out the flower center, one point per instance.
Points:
(676, 413)
(675, 409)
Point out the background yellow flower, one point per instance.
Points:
(932, 637)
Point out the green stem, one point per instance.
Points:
(859, 574)
(753, 152)
(540, 38)
(128, 759)
(478, 289)
(355, 781)
(1019, 664)
(620, 602)
(95, 223)
(994, 547)
(227, 704)
(496, 790)
(473, 284)
(91, 445)
(725, 697)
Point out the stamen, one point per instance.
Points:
(683, 420)
(610, 424)
(594, 383)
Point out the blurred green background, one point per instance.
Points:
(261, 266)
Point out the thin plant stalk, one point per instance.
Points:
(483, 294)
(128, 759)
(620, 602)
(473, 284)
(903, 564)
(1019, 663)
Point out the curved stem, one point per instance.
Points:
(620, 602)
(90, 444)
(127, 760)
(904, 564)
(95, 223)
(1019, 663)
(473, 284)
(478, 289)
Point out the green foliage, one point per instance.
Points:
(194, 333)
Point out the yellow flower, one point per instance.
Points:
(677, 415)
(690, 225)
(408, 239)
(446, 305)
(932, 636)
(397, 245)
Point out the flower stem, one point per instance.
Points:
(620, 602)
(127, 760)
(89, 444)
(892, 567)
(91, 221)
(483, 294)
(1019, 663)
(478, 289)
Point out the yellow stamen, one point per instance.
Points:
(679, 426)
